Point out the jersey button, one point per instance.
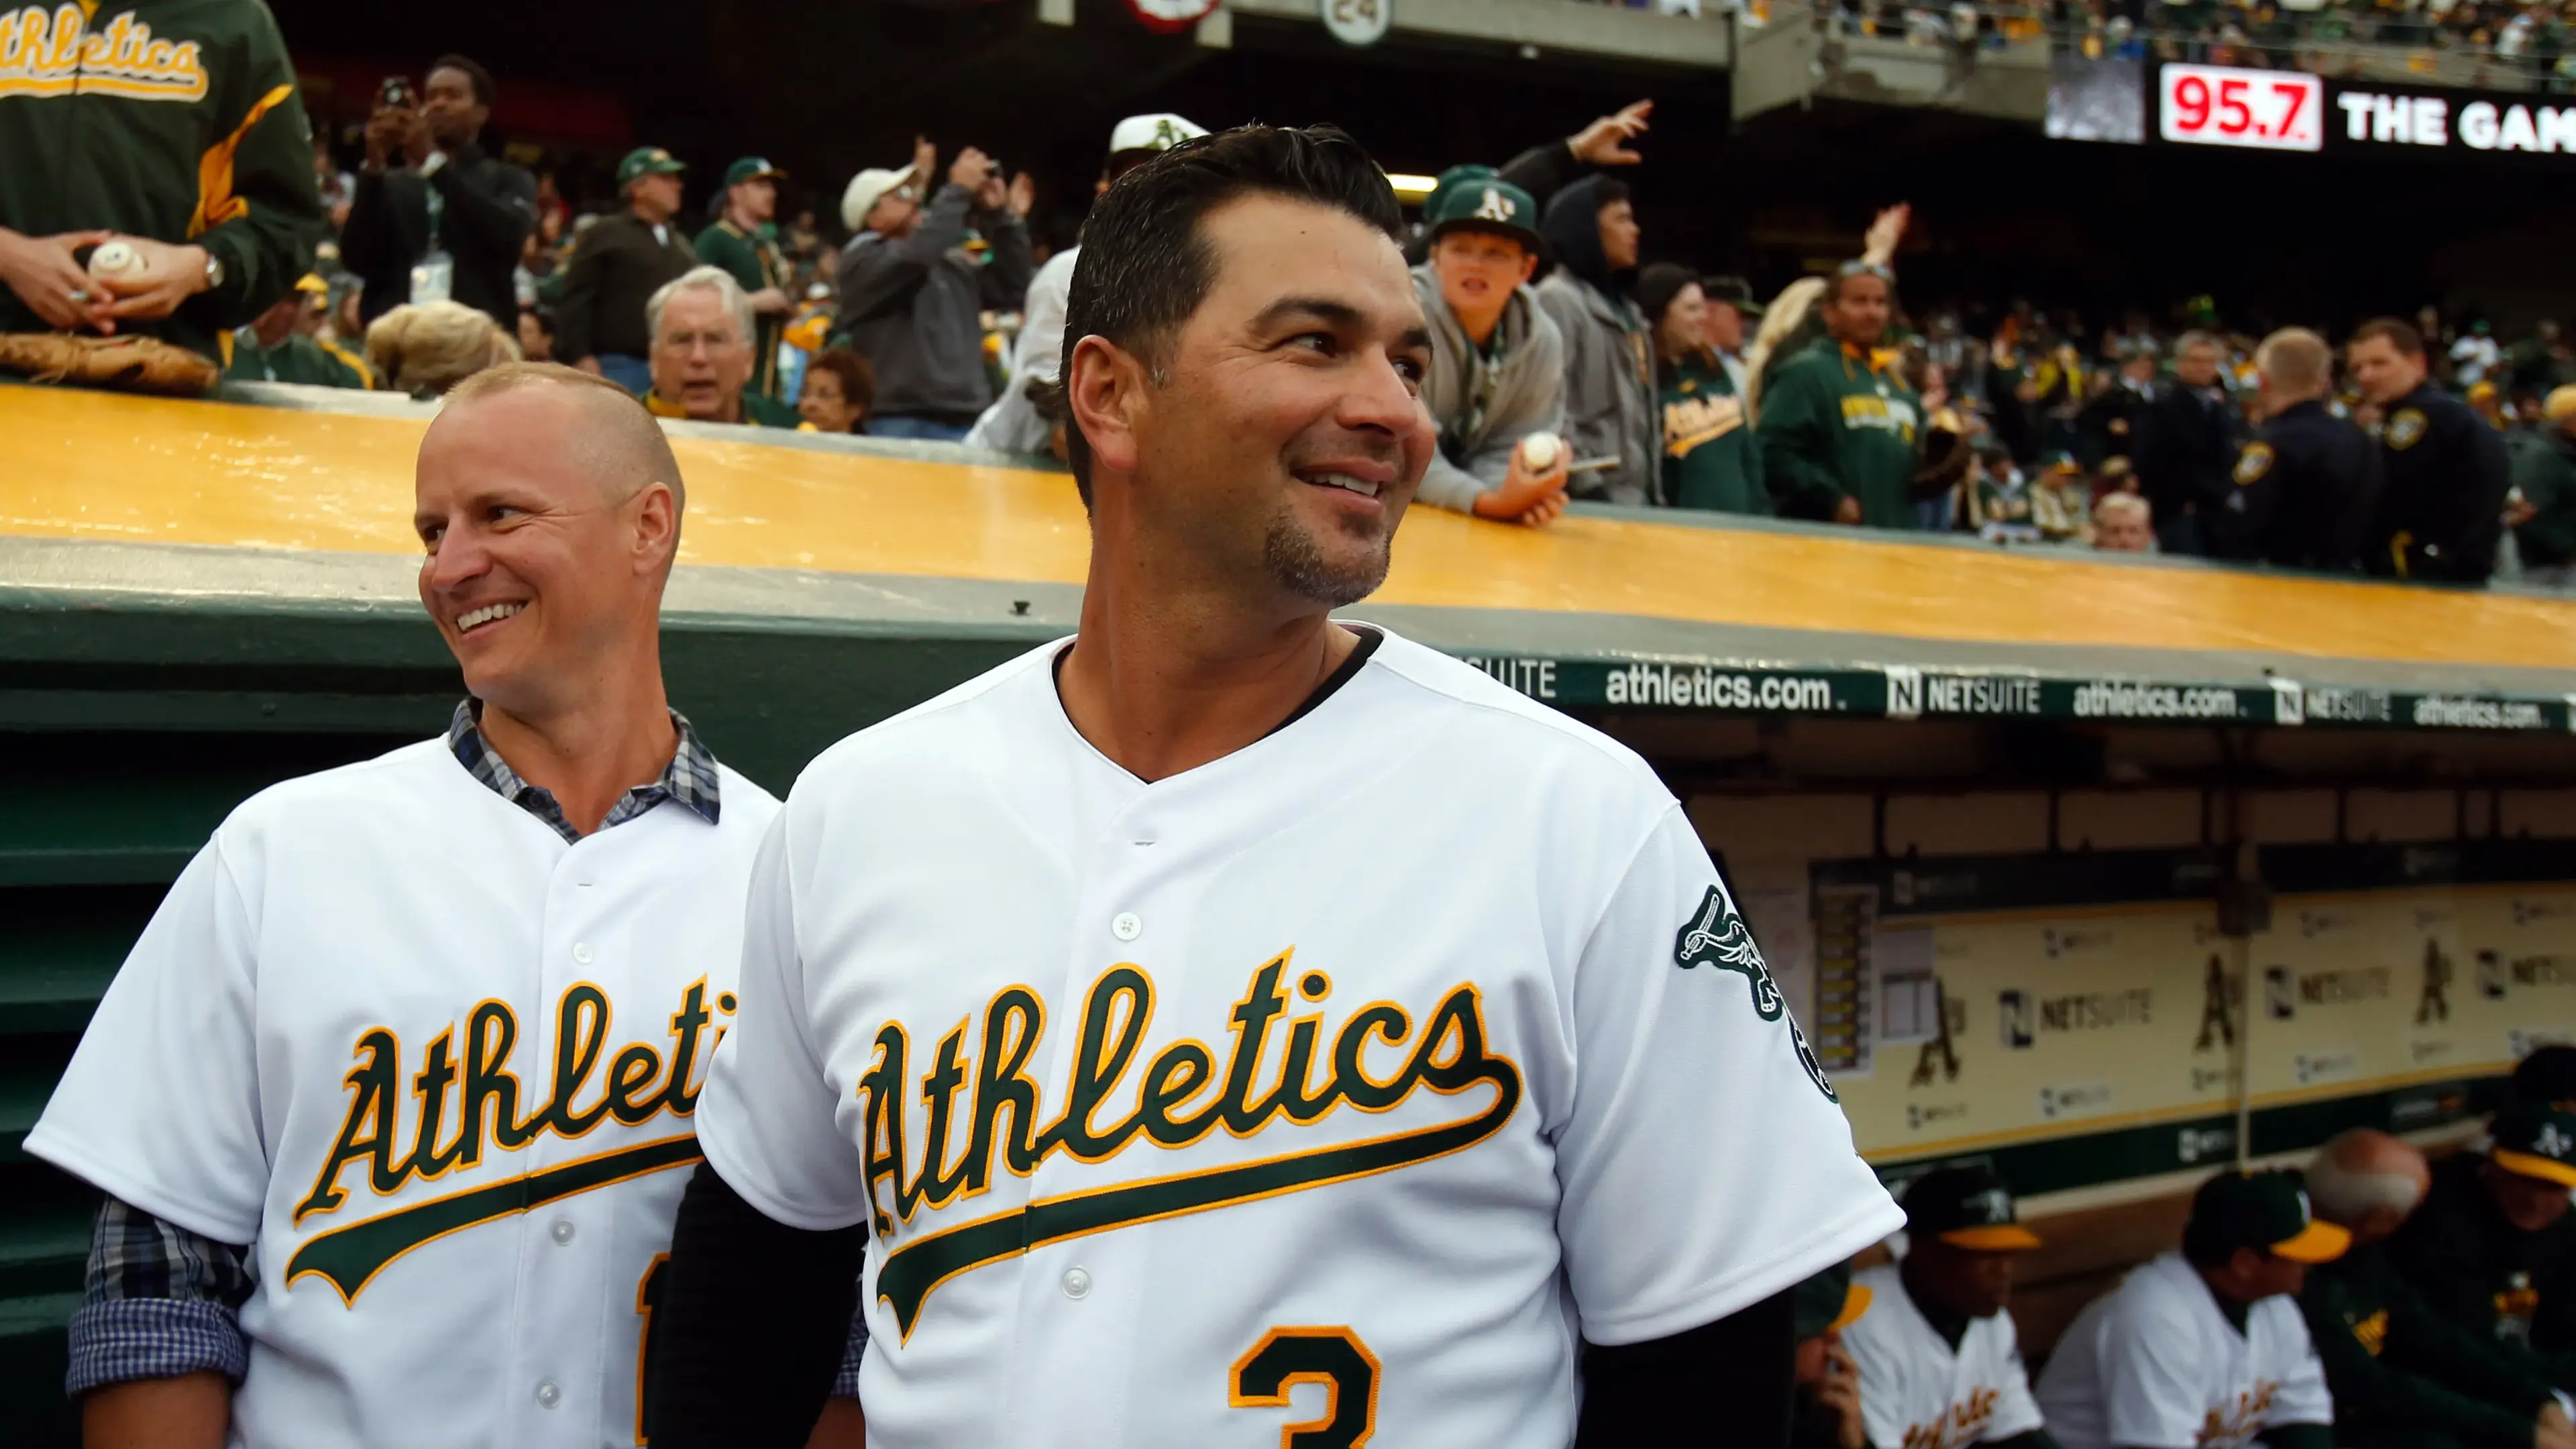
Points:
(581, 952)
(1127, 926)
(562, 1230)
(548, 1395)
(1077, 1283)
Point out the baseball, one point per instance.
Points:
(115, 259)
(1539, 451)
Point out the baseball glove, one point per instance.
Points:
(125, 364)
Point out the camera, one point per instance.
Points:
(394, 94)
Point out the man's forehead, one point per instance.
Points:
(526, 441)
(1272, 248)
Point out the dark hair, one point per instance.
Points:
(475, 74)
(1607, 191)
(2400, 335)
(1145, 266)
(858, 380)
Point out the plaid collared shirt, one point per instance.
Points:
(159, 1301)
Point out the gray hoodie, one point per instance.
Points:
(1527, 393)
(1610, 404)
(914, 307)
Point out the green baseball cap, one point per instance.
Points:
(1828, 1301)
(2534, 1139)
(750, 168)
(1966, 1207)
(2265, 1211)
(1483, 203)
(648, 161)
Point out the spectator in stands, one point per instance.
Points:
(2544, 516)
(276, 347)
(1730, 306)
(2061, 501)
(1826, 1413)
(1591, 229)
(619, 262)
(1013, 423)
(2403, 1376)
(1940, 1364)
(1840, 425)
(2124, 523)
(89, 162)
(1497, 361)
(702, 325)
(2304, 487)
(2185, 446)
(335, 188)
(1710, 458)
(2473, 356)
(742, 241)
(425, 348)
(2442, 512)
(2109, 421)
(2541, 362)
(536, 334)
(2492, 1247)
(913, 297)
(839, 389)
(446, 222)
(2205, 1345)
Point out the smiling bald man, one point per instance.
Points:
(394, 1099)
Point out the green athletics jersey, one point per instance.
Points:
(1839, 424)
(308, 360)
(1711, 460)
(170, 119)
(2399, 1371)
(754, 260)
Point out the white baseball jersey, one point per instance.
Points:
(440, 1067)
(2154, 1364)
(1917, 1392)
(1341, 1082)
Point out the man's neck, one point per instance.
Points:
(646, 215)
(589, 756)
(1480, 326)
(457, 148)
(2283, 405)
(741, 221)
(1164, 679)
(1946, 1321)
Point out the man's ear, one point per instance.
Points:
(1108, 391)
(1529, 266)
(657, 528)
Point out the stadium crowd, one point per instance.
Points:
(1571, 365)
(2374, 1301)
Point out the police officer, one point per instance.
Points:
(2447, 472)
(2305, 484)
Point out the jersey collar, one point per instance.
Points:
(690, 780)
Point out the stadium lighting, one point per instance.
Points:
(1410, 190)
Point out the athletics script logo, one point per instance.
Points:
(1716, 936)
(1181, 1096)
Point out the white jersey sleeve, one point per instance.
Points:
(1704, 1163)
(2302, 1397)
(2016, 1410)
(2155, 1390)
(768, 1117)
(160, 1106)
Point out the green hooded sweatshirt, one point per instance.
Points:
(1837, 424)
(170, 119)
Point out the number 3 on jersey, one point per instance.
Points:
(1333, 1357)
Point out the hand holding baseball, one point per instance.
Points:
(144, 279)
(1533, 490)
(44, 274)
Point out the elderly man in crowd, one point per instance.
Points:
(702, 327)
(2403, 1376)
(2122, 523)
(2492, 1247)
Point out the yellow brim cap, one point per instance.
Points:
(1855, 1303)
(2532, 1164)
(1999, 1238)
(2319, 1242)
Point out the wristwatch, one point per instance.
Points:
(214, 271)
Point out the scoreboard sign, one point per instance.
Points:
(2220, 105)
(2275, 110)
